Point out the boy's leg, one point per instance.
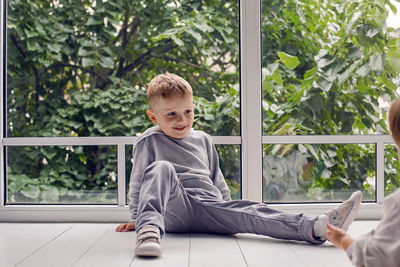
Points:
(163, 205)
(162, 201)
(243, 216)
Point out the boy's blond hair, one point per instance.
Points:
(394, 121)
(168, 85)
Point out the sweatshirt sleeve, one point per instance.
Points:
(380, 247)
(141, 159)
(216, 174)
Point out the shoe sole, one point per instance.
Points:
(148, 251)
(353, 213)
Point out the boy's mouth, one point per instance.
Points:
(180, 128)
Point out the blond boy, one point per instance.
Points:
(177, 186)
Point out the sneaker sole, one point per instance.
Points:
(148, 251)
(353, 213)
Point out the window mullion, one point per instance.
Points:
(121, 177)
(380, 172)
(251, 121)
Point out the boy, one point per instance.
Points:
(380, 247)
(177, 186)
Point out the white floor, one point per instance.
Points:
(82, 244)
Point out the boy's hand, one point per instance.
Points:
(338, 237)
(125, 227)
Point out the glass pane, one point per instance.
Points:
(327, 67)
(81, 68)
(62, 175)
(229, 161)
(318, 172)
(392, 169)
(229, 156)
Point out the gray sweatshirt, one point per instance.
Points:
(194, 158)
(380, 247)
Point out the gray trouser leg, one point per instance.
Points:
(242, 216)
(162, 201)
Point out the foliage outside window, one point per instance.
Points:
(80, 68)
(329, 67)
(392, 169)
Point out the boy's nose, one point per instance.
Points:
(180, 118)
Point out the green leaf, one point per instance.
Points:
(91, 21)
(323, 62)
(277, 77)
(83, 52)
(178, 41)
(196, 35)
(49, 152)
(312, 151)
(362, 86)
(376, 62)
(107, 62)
(88, 62)
(290, 62)
(349, 26)
(54, 47)
(31, 191)
(363, 70)
(33, 46)
(30, 34)
(203, 26)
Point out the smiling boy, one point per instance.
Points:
(177, 186)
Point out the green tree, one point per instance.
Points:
(80, 68)
(326, 66)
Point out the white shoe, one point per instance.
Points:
(341, 217)
(148, 241)
(345, 214)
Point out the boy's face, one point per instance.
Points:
(174, 115)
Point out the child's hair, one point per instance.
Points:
(168, 85)
(394, 121)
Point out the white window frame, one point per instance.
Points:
(251, 141)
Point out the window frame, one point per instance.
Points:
(251, 141)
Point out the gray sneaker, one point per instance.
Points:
(148, 241)
(344, 215)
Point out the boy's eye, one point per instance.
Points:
(171, 114)
(188, 111)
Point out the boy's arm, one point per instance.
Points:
(379, 247)
(141, 159)
(216, 175)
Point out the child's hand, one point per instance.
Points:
(125, 227)
(338, 237)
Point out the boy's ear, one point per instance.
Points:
(151, 116)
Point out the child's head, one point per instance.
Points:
(167, 85)
(171, 104)
(394, 121)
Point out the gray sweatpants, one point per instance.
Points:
(166, 203)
